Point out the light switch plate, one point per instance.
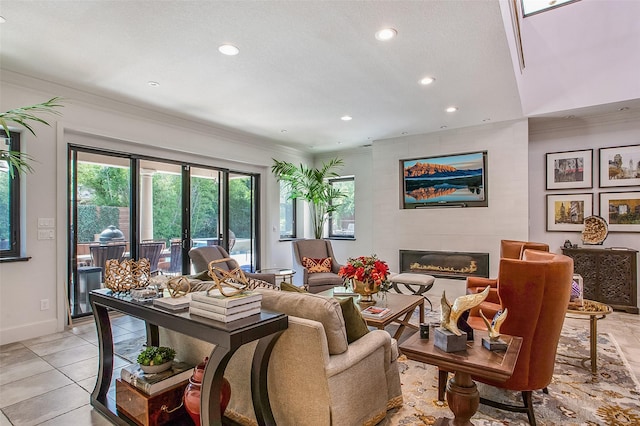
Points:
(46, 234)
(46, 222)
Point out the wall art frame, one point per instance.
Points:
(566, 212)
(569, 169)
(621, 210)
(620, 166)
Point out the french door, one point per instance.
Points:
(123, 206)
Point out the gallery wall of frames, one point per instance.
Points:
(617, 173)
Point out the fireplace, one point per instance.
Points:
(445, 264)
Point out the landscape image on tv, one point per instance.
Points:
(448, 179)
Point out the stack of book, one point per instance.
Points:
(375, 312)
(154, 383)
(216, 306)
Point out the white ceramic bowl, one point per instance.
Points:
(152, 369)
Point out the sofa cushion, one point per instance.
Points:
(324, 278)
(285, 286)
(203, 276)
(313, 307)
(315, 266)
(355, 325)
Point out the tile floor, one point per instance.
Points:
(47, 380)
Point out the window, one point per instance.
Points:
(9, 202)
(287, 212)
(342, 221)
(531, 7)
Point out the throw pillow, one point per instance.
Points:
(285, 286)
(317, 265)
(203, 276)
(354, 323)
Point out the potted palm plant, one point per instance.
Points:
(20, 161)
(311, 185)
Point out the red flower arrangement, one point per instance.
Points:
(365, 269)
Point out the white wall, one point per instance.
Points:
(99, 121)
(473, 229)
(546, 136)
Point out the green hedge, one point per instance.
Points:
(95, 219)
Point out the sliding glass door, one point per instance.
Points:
(123, 206)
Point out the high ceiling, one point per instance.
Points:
(302, 64)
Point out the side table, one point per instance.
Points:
(284, 274)
(595, 311)
(462, 394)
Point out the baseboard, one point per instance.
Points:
(28, 331)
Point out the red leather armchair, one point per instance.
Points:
(536, 291)
(509, 249)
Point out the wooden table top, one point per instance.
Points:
(399, 304)
(476, 360)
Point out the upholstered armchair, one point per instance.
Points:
(535, 290)
(318, 251)
(509, 249)
(201, 256)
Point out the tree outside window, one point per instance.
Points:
(9, 201)
(287, 212)
(342, 222)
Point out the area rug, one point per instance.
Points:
(576, 397)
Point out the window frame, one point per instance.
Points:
(15, 225)
(294, 212)
(330, 234)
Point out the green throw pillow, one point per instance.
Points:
(285, 286)
(353, 321)
(203, 276)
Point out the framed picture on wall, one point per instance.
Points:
(620, 166)
(570, 169)
(566, 212)
(621, 210)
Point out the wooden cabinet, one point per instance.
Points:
(610, 275)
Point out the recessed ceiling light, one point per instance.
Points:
(427, 80)
(405, 133)
(486, 119)
(443, 127)
(339, 143)
(346, 118)
(153, 83)
(228, 49)
(283, 131)
(623, 109)
(452, 109)
(386, 34)
(2, 20)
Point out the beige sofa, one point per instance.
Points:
(315, 377)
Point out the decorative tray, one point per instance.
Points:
(595, 230)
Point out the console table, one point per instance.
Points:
(610, 275)
(227, 337)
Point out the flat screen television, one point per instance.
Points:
(458, 180)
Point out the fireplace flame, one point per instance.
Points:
(473, 267)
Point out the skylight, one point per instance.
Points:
(530, 7)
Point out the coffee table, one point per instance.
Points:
(462, 394)
(402, 307)
(595, 311)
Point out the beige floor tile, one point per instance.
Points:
(47, 406)
(44, 339)
(22, 370)
(11, 347)
(88, 384)
(83, 327)
(30, 387)
(16, 356)
(82, 369)
(4, 421)
(49, 347)
(90, 336)
(69, 356)
(83, 416)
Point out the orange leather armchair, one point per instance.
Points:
(536, 291)
(509, 249)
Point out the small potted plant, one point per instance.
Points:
(155, 359)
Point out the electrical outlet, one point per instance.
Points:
(44, 304)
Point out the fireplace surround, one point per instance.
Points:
(445, 264)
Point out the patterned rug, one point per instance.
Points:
(576, 397)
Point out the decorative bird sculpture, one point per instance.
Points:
(494, 326)
(449, 314)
